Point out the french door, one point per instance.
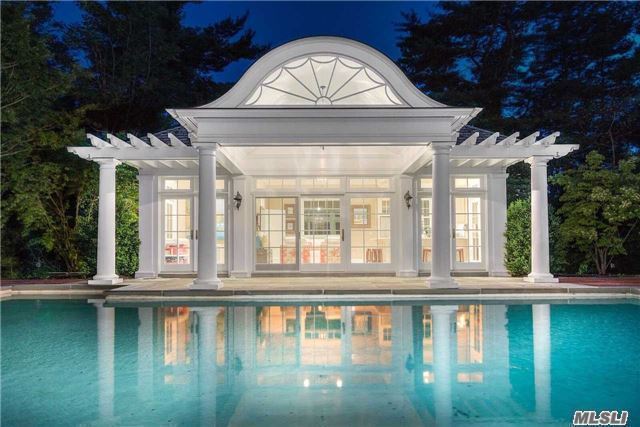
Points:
(276, 239)
(322, 234)
(467, 219)
(179, 244)
(467, 252)
(177, 247)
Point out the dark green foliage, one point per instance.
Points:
(518, 240)
(601, 209)
(136, 59)
(573, 67)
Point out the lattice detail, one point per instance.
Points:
(324, 81)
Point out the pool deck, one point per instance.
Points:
(318, 288)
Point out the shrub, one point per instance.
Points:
(518, 240)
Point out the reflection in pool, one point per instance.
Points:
(79, 362)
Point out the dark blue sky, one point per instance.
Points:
(275, 23)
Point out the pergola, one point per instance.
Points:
(251, 130)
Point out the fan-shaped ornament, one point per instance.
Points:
(324, 81)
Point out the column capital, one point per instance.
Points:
(538, 161)
(440, 148)
(107, 162)
(206, 149)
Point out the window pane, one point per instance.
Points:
(468, 229)
(460, 182)
(370, 225)
(426, 183)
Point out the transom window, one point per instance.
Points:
(186, 184)
(467, 182)
(320, 183)
(177, 184)
(324, 80)
(275, 183)
(369, 183)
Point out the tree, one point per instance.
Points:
(114, 71)
(40, 180)
(141, 58)
(601, 208)
(518, 240)
(573, 67)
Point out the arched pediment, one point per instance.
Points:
(323, 81)
(323, 72)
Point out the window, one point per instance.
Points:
(173, 184)
(426, 227)
(320, 183)
(370, 230)
(467, 182)
(426, 183)
(276, 229)
(177, 231)
(323, 81)
(275, 183)
(220, 203)
(468, 229)
(186, 184)
(369, 183)
(321, 232)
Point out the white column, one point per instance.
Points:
(542, 359)
(405, 244)
(540, 272)
(441, 233)
(106, 319)
(497, 222)
(441, 318)
(145, 353)
(243, 228)
(207, 363)
(207, 260)
(147, 194)
(346, 313)
(106, 268)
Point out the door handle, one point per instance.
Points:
(196, 234)
(342, 234)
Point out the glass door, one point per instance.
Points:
(426, 224)
(276, 239)
(468, 228)
(321, 234)
(370, 229)
(178, 234)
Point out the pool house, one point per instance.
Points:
(323, 158)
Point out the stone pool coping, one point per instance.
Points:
(368, 289)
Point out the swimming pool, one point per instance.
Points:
(73, 362)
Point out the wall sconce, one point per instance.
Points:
(238, 199)
(407, 199)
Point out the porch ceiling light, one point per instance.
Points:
(407, 199)
(238, 199)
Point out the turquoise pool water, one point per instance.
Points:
(78, 362)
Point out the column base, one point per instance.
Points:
(442, 283)
(240, 274)
(540, 278)
(97, 280)
(206, 284)
(407, 273)
(145, 275)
